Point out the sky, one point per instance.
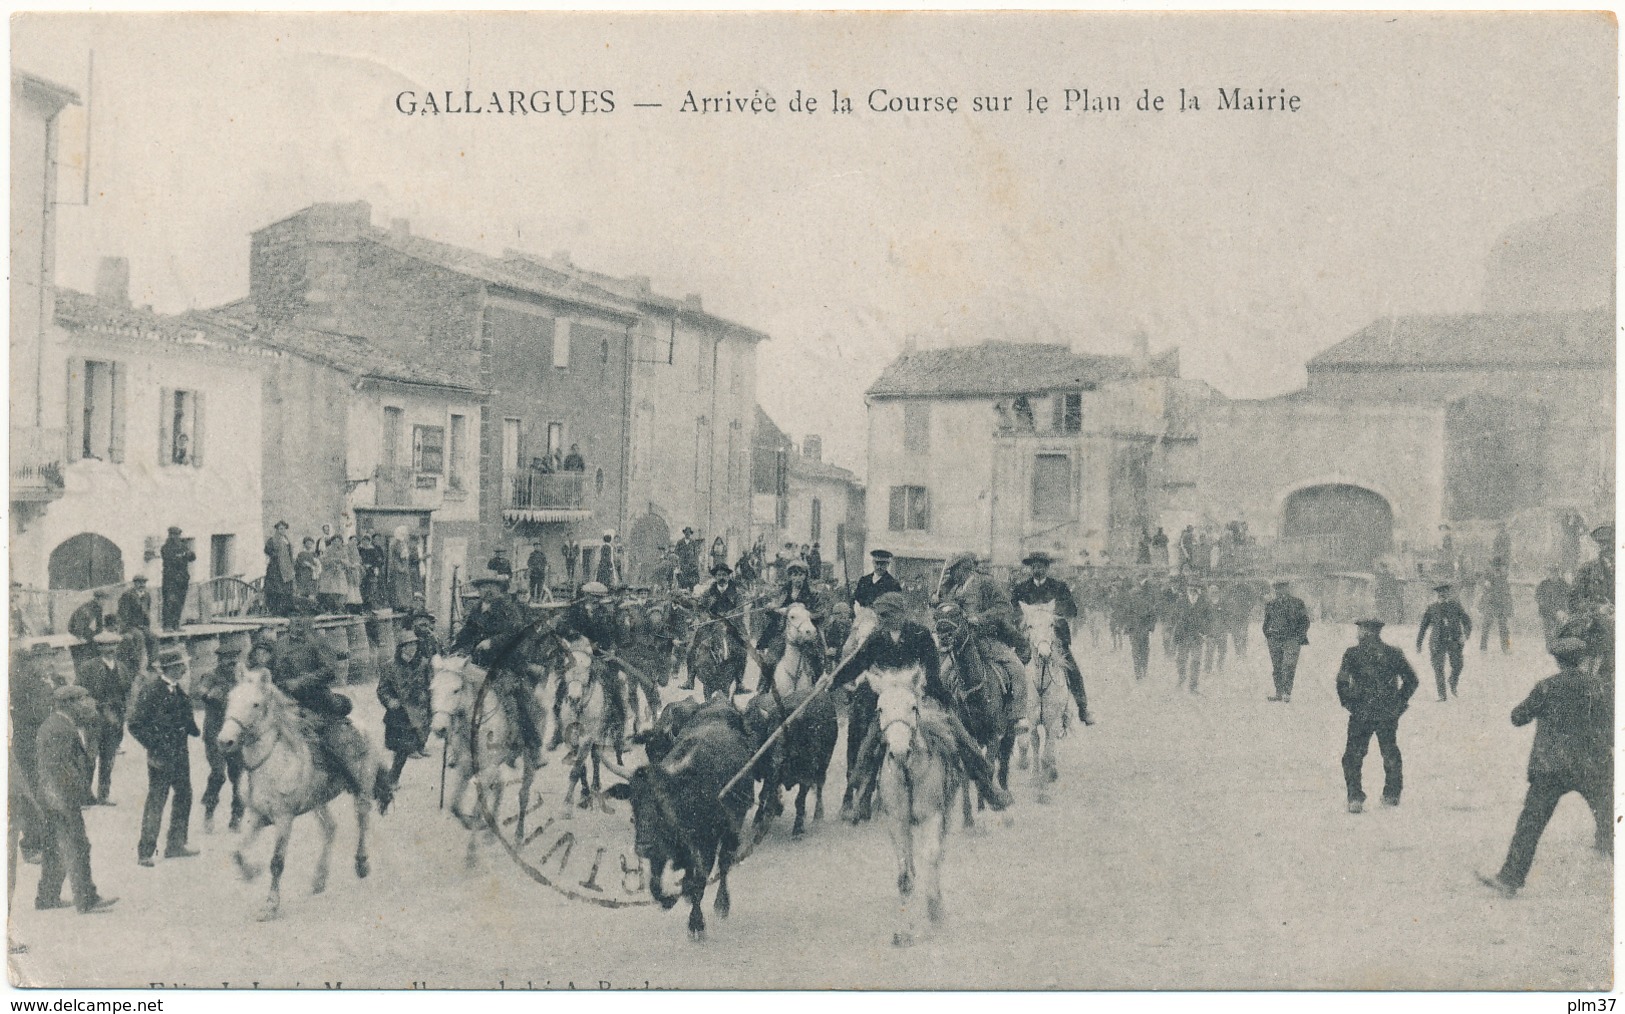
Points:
(1250, 240)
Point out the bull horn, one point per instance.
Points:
(674, 766)
(615, 769)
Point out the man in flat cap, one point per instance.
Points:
(135, 623)
(870, 587)
(1286, 631)
(491, 636)
(163, 723)
(1573, 751)
(1451, 627)
(63, 791)
(1039, 590)
(106, 682)
(1374, 684)
(177, 577)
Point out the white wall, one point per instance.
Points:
(419, 407)
(958, 471)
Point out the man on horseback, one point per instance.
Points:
(900, 643)
(771, 644)
(869, 589)
(992, 619)
(491, 636)
(305, 668)
(591, 617)
(1039, 590)
(723, 602)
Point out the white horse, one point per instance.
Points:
(480, 744)
(587, 722)
(1046, 693)
(801, 638)
(282, 780)
(918, 780)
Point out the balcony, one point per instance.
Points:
(543, 496)
(404, 486)
(37, 456)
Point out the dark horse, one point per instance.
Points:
(717, 658)
(981, 701)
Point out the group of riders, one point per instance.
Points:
(639, 642)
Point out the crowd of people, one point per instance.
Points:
(335, 574)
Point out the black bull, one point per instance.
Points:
(678, 819)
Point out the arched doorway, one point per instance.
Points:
(87, 560)
(1336, 526)
(648, 542)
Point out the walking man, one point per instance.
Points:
(1137, 615)
(162, 723)
(63, 763)
(1190, 624)
(177, 577)
(104, 679)
(1451, 627)
(1374, 684)
(1573, 713)
(1496, 605)
(1286, 631)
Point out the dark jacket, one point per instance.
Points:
(720, 602)
(297, 659)
(403, 690)
(1375, 681)
(914, 646)
(1497, 597)
(1449, 622)
(135, 610)
(499, 622)
(597, 626)
(1286, 619)
(1031, 593)
(87, 621)
(1192, 620)
(161, 722)
(64, 765)
(1137, 610)
(177, 562)
(106, 683)
(871, 586)
(1593, 584)
(278, 560)
(1573, 715)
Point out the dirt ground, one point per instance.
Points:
(1191, 843)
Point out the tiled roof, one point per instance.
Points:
(1477, 340)
(995, 368)
(78, 311)
(355, 356)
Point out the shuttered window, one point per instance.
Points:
(910, 509)
(180, 428)
(1052, 486)
(95, 409)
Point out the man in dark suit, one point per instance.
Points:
(688, 560)
(135, 617)
(1496, 606)
(1374, 684)
(1038, 590)
(1451, 627)
(104, 678)
(62, 791)
(536, 567)
(177, 577)
(488, 636)
(1191, 624)
(278, 582)
(1573, 713)
(1137, 615)
(876, 583)
(1594, 581)
(87, 621)
(32, 684)
(163, 722)
(1286, 631)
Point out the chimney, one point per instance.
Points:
(113, 281)
(812, 446)
(692, 302)
(400, 228)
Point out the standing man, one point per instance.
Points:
(1594, 582)
(607, 573)
(1190, 624)
(103, 678)
(135, 620)
(1502, 547)
(1137, 616)
(31, 702)
(815, 563)
(536, 568)
(86, 623)
(1375, 685)
(499, 563)
(177, 577)
(63, 791)
(1286, 631)
(574, 462)
(1451, 627)
(162, 723)
(278, 570)
(869, 588)
(688, 560)
(214, 689)
(1496, 603)
(1038, 590)
(1159, 548)
(1573, 713)
(1552, 602)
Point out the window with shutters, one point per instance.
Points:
(561, 343)
(910, 509)
(456, 449)
(96, 409)
(917, 427)
(429, 449)
(1069, 413)
(180, 427)
(817, 521)
(1052, 487)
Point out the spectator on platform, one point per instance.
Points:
(307, 570)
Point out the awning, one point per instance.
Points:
(545, 515)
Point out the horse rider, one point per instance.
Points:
(1039, 590)
(796, 589)
(591, 617)
(723, 602)
(900, 643)
(304, 668)
(490, 636)
(869, 588)
(992, 619)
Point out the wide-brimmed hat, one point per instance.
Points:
(279, 524)
(1037, 556)
(480, 582)
(1568, 648)
(721, 569)
(1442, 587)
(891, 601)
(794, 565)
(596, 588)
(1603, 535)
(107, 637)
(171, 658)
(688, 531)
(1281, 582)
(139, 579)
(960, 559)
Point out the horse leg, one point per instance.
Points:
(598, 782)
(818, 799)
(800, 826)
(363, 866)
(724, 903)
(329, 826)
(248, 870)
(694, 891)
(279, 859)
(970, 822)
(527, 776)
(903, 846)
(933, 832)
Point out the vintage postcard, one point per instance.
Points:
(1005, 500)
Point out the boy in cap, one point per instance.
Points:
(63, 790)
(163, 722)
(1451, 627)
(1374, 684)
(1573, 713)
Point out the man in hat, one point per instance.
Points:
(162, 722)
(1286, 631)
(591, 617)
(104, 678)
(135, 621)
(1446, 566)
(899, 643)
(574, 462)
(403, 690)
(1451, 627)
(215, 686)
(32, 684)
(993, 619)
(177, 577)
(1039, 590)
(90, 619)
(499, 563)
(305, 668)
(1495, 605)
(1573, 751)
(689, 549)
(815, 563)
(63, 791)
(536, 571)
(279, 573)
(1374, 684)
(1594, 582)
(1190, 624)
(865, 592)
(491, 637)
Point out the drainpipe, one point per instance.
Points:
(626, 435)
(711, 451)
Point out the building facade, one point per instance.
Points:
(800, 499)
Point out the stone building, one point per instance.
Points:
(801, 499)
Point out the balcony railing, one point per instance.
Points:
(37, 455)
(532, 490)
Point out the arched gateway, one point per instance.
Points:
(1337, 526)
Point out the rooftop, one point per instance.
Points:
(993, 369)
(47, 93)
(79, 311)
(1477, 340)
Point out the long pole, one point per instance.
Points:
(444, 744)
(767, 745)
